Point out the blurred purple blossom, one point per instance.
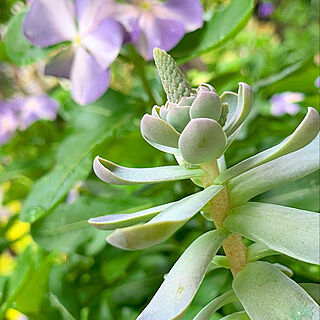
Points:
(154, 23)
(317, 82)
(265, 9)
(286, 102)
(95, 38)
(20, 113)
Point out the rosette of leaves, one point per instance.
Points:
(197, 126)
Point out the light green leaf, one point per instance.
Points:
(215, 304)
(18, 48)
(241, 315)
(259, 251)
(221, 27)
(274, 173)
(231, 99)
(182, 282)
(67, 227)
(266, 293)
(302, 136)
(287, 271)
(60, 307)
(290, 231)
(112, 173)
(121, 220)
(162, 226)
(244, 105)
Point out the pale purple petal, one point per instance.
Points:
(34, 108)
(8, 121)
(60, 65)
(265, 9)
(317, 82)
(104, 43)
(188, 12)
(164, 34)
(292, 108)
(88, 80)
(49, 22)
(91, 12)
(278, 105)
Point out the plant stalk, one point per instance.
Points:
(233, 246)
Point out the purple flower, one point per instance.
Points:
(154, 23)
(317, 82)
(20, 113)
(286, 102)
(95, 38)
(8, 122)
(265, 9)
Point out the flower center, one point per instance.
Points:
(145, 5)
(77, 40)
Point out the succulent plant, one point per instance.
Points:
(197, 126)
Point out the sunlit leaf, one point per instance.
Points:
(258, 251)
(221, 27)
(162, 226)
(302, 136)
(184, 279)
(112, 173)
(121, 220)
(290, 231)
(241, 315)
(266, 293)
(274, 173)
(214, 305)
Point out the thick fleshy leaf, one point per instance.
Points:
(202, 140)
(272, 174)
(159, 131)
(290, 231)
(162, 148)
(88, 80)
(244, 105)
(258, 251)
(214, 305)
(178, 117)
(184, 279)
(231, 99)
(241, 315)
(302, 136)
(50, 22)
(206, 105)
(121, 220)
(162, 226)
(266, 293)
(112, 173)
(186, 101)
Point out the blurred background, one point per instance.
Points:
(53, 265)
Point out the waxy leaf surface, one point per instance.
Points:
(162, 226)
(290, 167)
(267, 294)
(184, 279)
(112, 173)
(290, 231)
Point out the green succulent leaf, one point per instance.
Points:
(241, 315)
(202, 140)
(287, 271)
(162, 226)
(231, 99)
(182, 282)
(272, 174)
(215, 304)
(287, 230)
(258, 251)
(174, 82)
(159, 131)
(206, 105)
(266, 293)
(112, 173)
(178, 117)
(302, 136)
(244, 105)
(121, 220)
